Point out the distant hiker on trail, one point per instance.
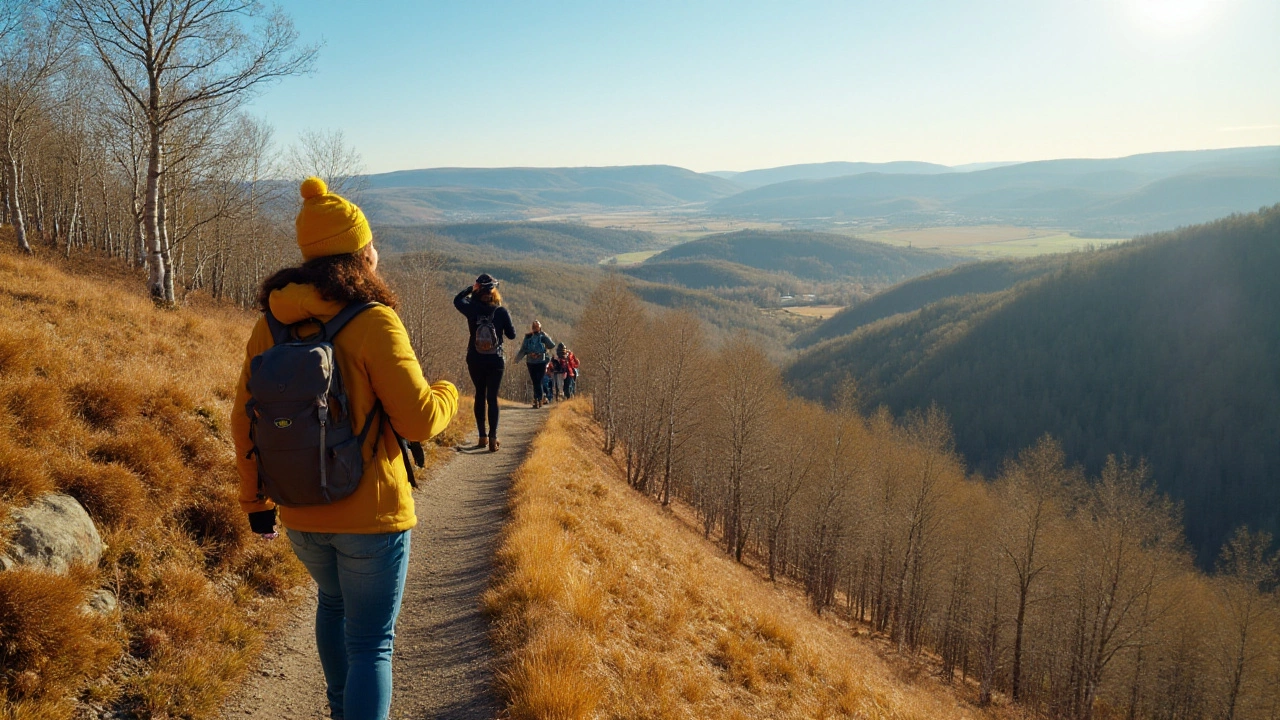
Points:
(559, 371)
(488, 323)
(548, 385)
(571, 379)
(535, 349)
(329, 388)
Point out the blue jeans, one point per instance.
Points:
(361, 581)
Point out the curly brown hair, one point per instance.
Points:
(343, 278)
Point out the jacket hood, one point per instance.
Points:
(295, 303)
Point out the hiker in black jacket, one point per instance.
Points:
(488, 323)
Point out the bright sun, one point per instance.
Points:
(1173, 15)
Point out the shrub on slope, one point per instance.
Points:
(607, 607)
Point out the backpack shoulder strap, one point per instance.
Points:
(279, 331)
(344, 316)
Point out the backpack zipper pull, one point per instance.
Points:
(324, 446)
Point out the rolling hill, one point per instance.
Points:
(1154, 191)
(414, 197)
(562, 242)
(810, 255)
(970, 279)
(1165, 349)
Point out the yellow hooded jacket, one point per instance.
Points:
(377, 362)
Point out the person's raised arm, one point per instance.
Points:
(418, 411)
(462, 300)
(507, 328)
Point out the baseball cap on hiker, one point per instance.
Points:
(486, 281)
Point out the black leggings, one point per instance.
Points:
(537, 371)
(487, 379)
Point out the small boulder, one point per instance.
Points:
(53, 533)
(102, 601)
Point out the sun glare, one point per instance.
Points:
(1173, 15)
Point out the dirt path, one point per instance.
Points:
(442, 656)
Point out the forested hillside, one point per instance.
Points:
(558, 293)
(974, 278)
(1165, 350)
(811, 255)
(562, 242)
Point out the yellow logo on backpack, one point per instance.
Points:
(283, 423)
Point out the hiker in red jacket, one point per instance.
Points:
(571, 370)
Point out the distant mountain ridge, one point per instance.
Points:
(819, 171)
(1108, 197)
(411, 197)
(1152, 191)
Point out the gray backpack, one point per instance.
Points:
(300, 422)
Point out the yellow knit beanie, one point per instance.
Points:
(328, 224)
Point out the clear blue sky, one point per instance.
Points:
(741, 85)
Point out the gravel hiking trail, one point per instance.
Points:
(442, 662)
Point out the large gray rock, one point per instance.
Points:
(53, 533)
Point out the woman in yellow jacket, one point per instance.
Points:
(356, 549)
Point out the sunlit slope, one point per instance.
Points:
(125, 407)
(971, 279)
(810, 255)
(1164, 350)
(605, 606)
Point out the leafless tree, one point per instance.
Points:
(32, 45)
(327, 155)
(171, 59)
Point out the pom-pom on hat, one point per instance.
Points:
(328, 224)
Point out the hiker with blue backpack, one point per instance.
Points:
(488, 322)
(535, 350)
(329, 401)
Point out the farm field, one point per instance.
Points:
(988, 240)
(631, 258)
(821, 312)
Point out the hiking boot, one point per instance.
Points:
(493, 444)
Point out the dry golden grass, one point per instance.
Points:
(126, 407)
(607, 607)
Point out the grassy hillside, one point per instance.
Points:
(972, 279)
(411, 197)
(561, 242)
(810, 255)
(1164, 350)
(605, 606)
(126, 407)
(1141, 193)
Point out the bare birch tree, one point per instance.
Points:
(174, 58)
